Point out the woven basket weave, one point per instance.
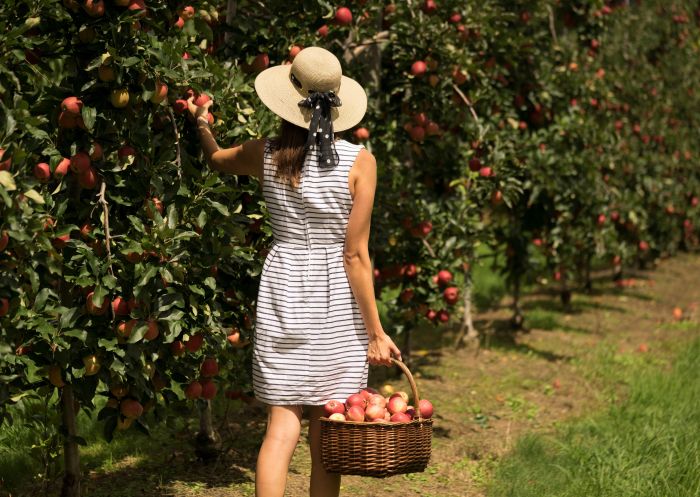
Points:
(377, 449)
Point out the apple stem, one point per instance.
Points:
(469, 104)
(108, 237)
(71, 477)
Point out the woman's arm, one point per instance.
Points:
(357, 263)
(244, 159)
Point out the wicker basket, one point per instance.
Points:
(377, 449)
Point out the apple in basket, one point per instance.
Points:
(355, 400)
(426, 408)
(374, 412)
(378, 400)
(368, 392)
(400, 417)
(334, 407)
(355, 413)
(337, 416)
(411, 411)
(402, 394)
(397, 404)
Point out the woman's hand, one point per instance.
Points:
(196, 111)
(380, 349)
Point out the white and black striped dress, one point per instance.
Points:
(310, 341)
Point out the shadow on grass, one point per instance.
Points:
(500, 335)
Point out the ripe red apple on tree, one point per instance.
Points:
(406, 295)
(418, 68)
(431, 314)
(80, 162)
(209, 367)
(61, 241)
(361, 134)
(4, 307)
(294, 51)
(93, 309)
(451, 295)
(209, 389)
(455, 17)
(4, 240)
(152, 332)
(130, 408)
(323, 30)
(443, 316)
(195, 342)
(120, 307)
(343, 16)
(94, 8)
(417, 133)
(72, 105)
(42, 172)
(160, 94)
(177, 348)
(193, 390)
(187, 12)
(88, 178)
(429, 6)
(4, 164)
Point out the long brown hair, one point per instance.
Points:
(288, 152)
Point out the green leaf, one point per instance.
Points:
(109, 281)
(138, 332)
(69, 317)
(34, 195)
(41, 298)
(219, 207)
(7, 181)
(130, 61)
(148, 275)
(89, 116)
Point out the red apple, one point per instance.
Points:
(455, 17)
(152, 332)
(187, 12)
(443, 316)
(193, 390)
(4, 307)
(62, 169)
(72, 105)
(444, 277)
(260, 62)
(120, 307)
(4, 240)
(485, 172)
(355, 399)
(418, 68)
(80, 162)
(323, 30)
(451, 294)
(60, 241)
(42, 172)
(411, 411)
(343, 16)
(406, 295)
(429, 6)
(177, 348)
(355, 413)
(195, 342)
(376, 399)
(208, 389)
(400, 417)
(92, 309)
(426, 408)
(361, 134)
(130, 408)
(417, 133)
(374, 412)
(643, 246)
(431, 314)
(209, 367)
(88, 178)
(333, 406)
(432, 128)
(4, 164)
(397, 404)
(294, 51)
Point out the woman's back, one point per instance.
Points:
(317, 211)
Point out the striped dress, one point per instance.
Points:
(310, 341)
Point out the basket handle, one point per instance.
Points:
(412, 382)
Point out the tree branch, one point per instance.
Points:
(466, 101)
(552, 29)
(178, 159)
(108, 236)
(430, 249)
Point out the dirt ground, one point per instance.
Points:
(484, 398)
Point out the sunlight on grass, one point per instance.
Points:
(648, 446)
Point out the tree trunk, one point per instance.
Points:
(517, 320)
(230, 14)
(207, 440)
(71, 477)
(467, 333)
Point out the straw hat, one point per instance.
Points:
(282, 87)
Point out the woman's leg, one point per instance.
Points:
(281, 437)
(322, 484)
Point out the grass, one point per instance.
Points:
(647, 446)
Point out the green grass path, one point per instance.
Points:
(647, 446)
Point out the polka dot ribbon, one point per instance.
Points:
(321, 122)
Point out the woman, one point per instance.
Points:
(317, 324)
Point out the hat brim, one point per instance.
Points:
(278, 93)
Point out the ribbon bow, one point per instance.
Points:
(321, 126)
